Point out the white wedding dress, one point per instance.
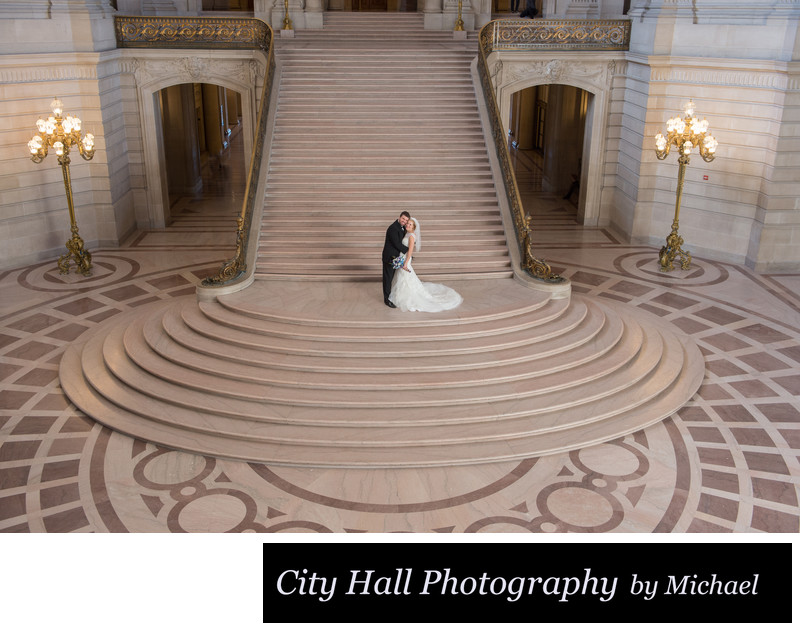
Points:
(409, 293)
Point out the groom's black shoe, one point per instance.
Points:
(389, 303)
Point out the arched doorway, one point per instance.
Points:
(198, 122)
(547, 136)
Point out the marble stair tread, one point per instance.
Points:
(356, 306)
(370, 134)
(490, 340)
(468, 221)
(389, 418)
(472, 433)
(364, 206)
(370, 277)
(381, 163)
(368, 331)
(369, 265)
(368, 260)
(286, 235)
(366, 183)
(420, 171)
(553, 396)
(179, 365)
(353, 225)
(564, 346)
(132, 423)
(427, 148)
(188, 347)
(125, 349)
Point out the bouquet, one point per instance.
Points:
(397, 262)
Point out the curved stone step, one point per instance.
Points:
(581, 372)
(441, 356)
(480, 367)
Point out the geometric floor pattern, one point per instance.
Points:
(728, 461)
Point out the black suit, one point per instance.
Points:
(530, 9)
(392, 248)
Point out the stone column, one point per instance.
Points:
(483, 13)
(262, 9)
(432, 12)
(313, 13)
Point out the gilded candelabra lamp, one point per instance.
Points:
(62, 134)
(685, 134)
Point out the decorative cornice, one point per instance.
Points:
(598, 74)
(195, 69)
(39, 74)
(770, 78)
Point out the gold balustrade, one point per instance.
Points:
(192, 32)
(561, 35)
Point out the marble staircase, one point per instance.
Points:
(322, 374)
(376, 115)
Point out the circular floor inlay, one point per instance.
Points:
(581, 507)
(644, 265)
(106, 270)
(212, 513)
(608, 459)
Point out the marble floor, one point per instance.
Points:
(725, 463)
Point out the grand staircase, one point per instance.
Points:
(306, 367)
(375, 116)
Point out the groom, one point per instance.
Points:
(392, 248)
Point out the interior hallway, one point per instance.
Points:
(726, 462)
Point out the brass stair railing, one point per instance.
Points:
(209, 33)
(534, 35)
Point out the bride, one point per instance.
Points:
(409, 293)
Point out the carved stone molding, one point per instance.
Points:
(771, 78)
(585, 73)
(195, 70)
(52, 72)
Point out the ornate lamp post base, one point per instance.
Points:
(76, 252)
(673, 248)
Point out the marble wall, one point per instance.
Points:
(740, 64)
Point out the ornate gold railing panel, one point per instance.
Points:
(191, 32)
(556, 35)
(202, 32)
